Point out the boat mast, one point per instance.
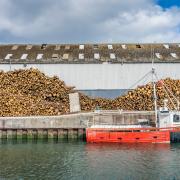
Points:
(154, 87)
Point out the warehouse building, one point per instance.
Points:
(105, 70)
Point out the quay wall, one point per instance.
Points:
(64, 121)
(70, 126)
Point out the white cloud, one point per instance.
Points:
(88, 21)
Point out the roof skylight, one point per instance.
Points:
(112, 56)
(110, 46)
(55, 56)
(65, 56)
(39, 56)
(124, 46)
(81, 56)
(28, 47)
(96, 56)
(174, 55)
(15, 47)
(81, 46)
(158, 55)
(24, 56)
(8, 56)
(58, 47)
(166, 46)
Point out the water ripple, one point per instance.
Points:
(78, 160)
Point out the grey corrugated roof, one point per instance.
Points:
(72, 53)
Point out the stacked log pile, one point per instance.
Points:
(90, 104)
(140, 99)
(30, 93)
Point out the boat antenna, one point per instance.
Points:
(154, 85)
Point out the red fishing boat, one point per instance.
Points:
(130, 135)
(165, 130)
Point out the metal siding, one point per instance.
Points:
(101, 76)
(110, 93)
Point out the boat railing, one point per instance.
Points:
(143, 129)
(120, 111)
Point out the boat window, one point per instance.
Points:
(176, 118)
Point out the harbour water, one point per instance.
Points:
(79, 160)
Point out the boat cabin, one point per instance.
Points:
(168, 119)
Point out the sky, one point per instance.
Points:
(89, 21)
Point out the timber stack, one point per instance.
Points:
(139, 99)
(31, 93)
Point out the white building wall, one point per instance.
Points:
(102, 76)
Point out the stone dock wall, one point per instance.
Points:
(70, 126)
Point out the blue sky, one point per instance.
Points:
(168, 3)
(89, 21)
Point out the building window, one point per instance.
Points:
(81, 56)
(65, 56)
(39, 56)
(110, 46)
(24, 56)
(112, 56)
(8, 56)
(81, 46)
(96, 56)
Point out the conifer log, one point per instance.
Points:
(31, 93)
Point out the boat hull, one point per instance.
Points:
(128, 136)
